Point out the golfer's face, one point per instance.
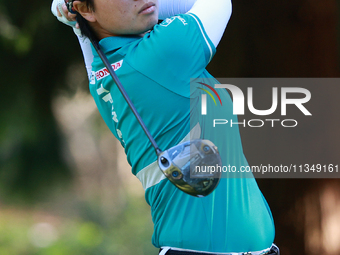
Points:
(119, 17)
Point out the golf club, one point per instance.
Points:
(180, 164)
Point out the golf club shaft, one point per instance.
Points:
(125, 95)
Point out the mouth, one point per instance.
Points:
(147, 8)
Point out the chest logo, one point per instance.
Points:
(102, 73)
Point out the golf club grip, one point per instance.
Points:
(125, 95)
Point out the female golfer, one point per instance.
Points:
(162, 67)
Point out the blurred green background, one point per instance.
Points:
(65, 186)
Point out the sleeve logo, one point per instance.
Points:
(168, 21)
(91, 78)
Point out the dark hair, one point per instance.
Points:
(84, 25)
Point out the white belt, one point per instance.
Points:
(166, 249)
(152, 175)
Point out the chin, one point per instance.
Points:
(153, 22)
(149, 26)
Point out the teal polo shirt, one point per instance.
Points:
(156, 71)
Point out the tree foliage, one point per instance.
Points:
(35, 53)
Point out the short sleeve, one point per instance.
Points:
(175, 51)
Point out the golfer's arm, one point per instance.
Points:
(169, 8)
(83, 41)
(214, 15)
(85, 45)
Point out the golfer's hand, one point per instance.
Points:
(68, 15)
(59, 10)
